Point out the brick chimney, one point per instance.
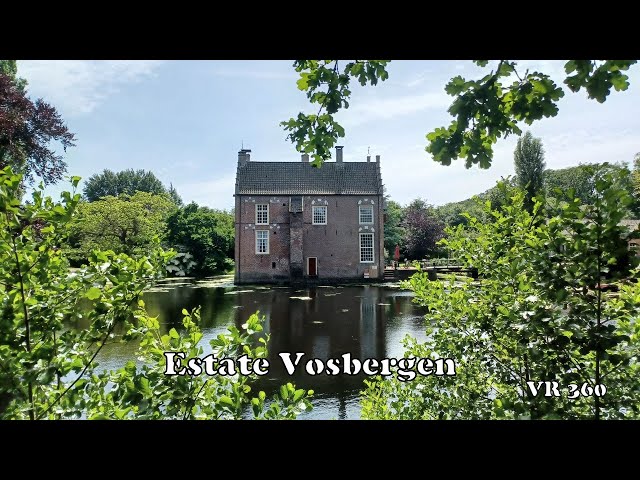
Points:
(339, 153)
(305, 158)
(244, 157)
(377, 158)
(368, 158)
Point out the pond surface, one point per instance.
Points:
(367, 321)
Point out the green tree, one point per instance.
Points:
(30, 131)
(636, 174)
(528, 158)
(124, 224)
(458, 213)
(124, 182)
(173, 193)
(423, 230)
(10, 69)
(484, 110)
(327, 85)
(48, 371)
(581, 181)
(206, 234)
(453, 213)
(393, 230)
(520, 324)
(556, 185)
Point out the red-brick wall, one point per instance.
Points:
(336, 245)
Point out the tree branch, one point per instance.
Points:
(25, 312)
(86, 367)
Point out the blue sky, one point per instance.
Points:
(186, 121)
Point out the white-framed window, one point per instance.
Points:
(320, 215)
(262, 214)
(366, 213)
(366, 248)
(262, 242)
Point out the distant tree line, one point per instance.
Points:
(538, 310)
(48, 370)
(131, 210)
(417, 227)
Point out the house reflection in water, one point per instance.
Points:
(322, 323)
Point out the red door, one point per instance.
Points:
(313, 267)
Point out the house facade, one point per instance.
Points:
(633, 242)
(298, 223)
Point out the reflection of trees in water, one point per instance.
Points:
(327, 325)
(216, 308)
(333, 321)
(342, 407)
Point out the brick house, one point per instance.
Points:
(633, 242)
(298, 223)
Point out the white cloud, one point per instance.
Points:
(365, 110)
(553, 68)
(359, 153)
(216, 193)
(417, 80)
(254, 74)
(411, 173)
(77, 87)
(584, 146)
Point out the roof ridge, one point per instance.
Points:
(273, 178)
(309, 164)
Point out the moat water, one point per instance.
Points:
(368, 321)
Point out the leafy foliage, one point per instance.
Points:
(556, 185)
(484, 110)
(123, 224)
(393, 230)
(317, 133)
(453, 214)
(147, 393)
(48, 371)
(529, 162)
(519, 323)
(423, 230)
(10, 69)
(27, 130)
(173, 194)
(181, 265)
(109, 183)
(493, 106)
(38, 292)
(206, 234)
(636, 175)
(581, 182)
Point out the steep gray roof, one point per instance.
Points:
(300, 178)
